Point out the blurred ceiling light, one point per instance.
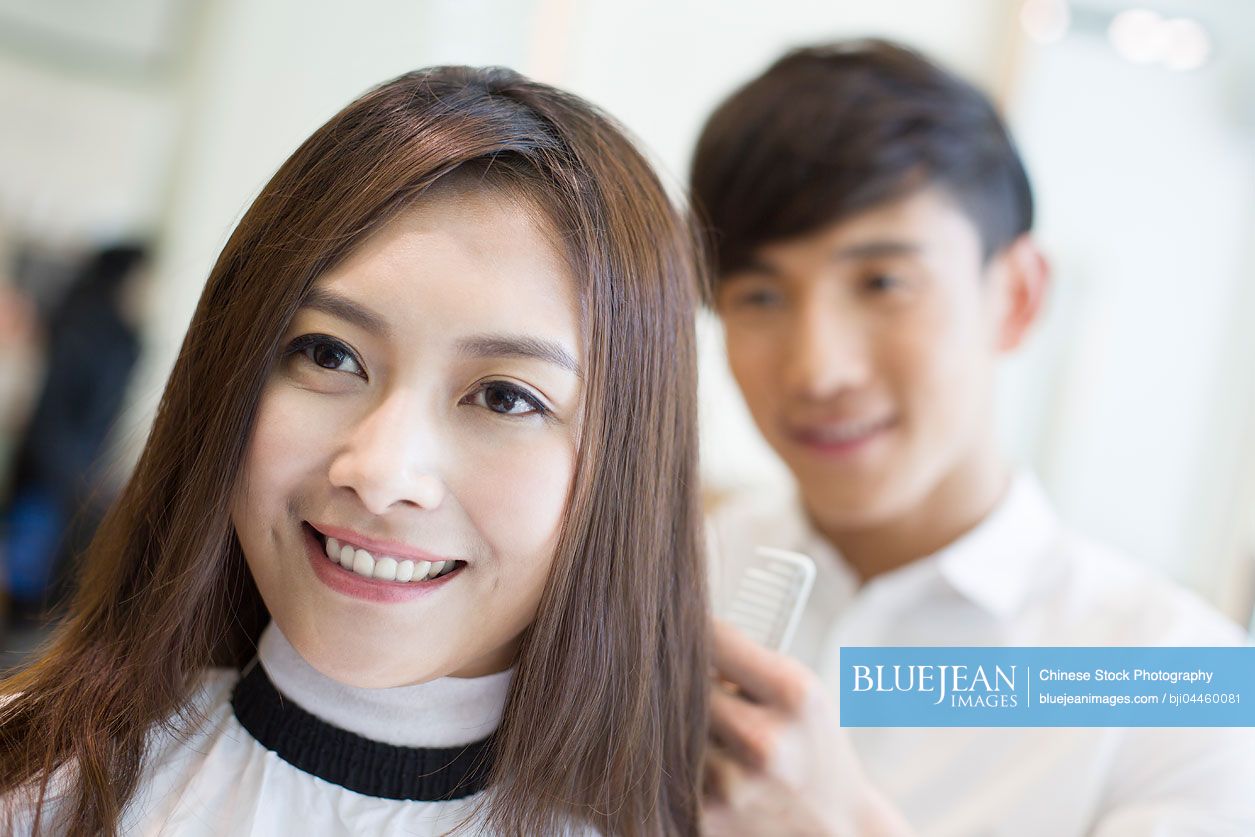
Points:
(1139, 35)
(1144, 37)
(1045, 21)
(1189, 45)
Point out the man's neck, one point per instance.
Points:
(951, 509)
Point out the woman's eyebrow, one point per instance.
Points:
(475, 346)
(320, 299)
(506, 345)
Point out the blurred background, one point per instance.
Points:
(133, 133)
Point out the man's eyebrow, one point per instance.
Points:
(761, 269)
(876, 249)
(755, 268)
(321, 299)
(507, 345)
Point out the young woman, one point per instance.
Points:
(414, 542)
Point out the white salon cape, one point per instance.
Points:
(1020, 578)
(223, 781)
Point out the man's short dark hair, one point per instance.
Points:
(829, 131)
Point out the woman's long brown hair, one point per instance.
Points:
(605, 719)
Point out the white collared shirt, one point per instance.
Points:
(1019, 578)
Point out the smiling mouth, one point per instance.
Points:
(843, 434)
(366, 564)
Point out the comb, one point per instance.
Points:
(771, 595)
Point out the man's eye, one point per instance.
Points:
(508, 399)
(883, 282)
(760, 298)
(328, 353)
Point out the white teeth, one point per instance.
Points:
(363, 563)
(386, 567)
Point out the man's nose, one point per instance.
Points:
(825, 353)
(389, 457)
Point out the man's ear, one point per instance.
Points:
(1025, 280)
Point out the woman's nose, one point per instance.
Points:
(388, 458)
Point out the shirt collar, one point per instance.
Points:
(992, 565)
(444, 712)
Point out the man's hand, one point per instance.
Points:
(779, 762)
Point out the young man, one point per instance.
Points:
(869, 222)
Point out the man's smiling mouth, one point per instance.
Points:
(382, 567)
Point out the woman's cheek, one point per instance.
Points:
(282, 455)
(285, 439)
(515, 493)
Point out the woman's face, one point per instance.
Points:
(425, 408)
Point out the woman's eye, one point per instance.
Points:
(508, 400)
(328, 353)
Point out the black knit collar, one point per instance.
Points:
(344, 758)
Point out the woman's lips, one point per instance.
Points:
(356, 586)
(374, 545)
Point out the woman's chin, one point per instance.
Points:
(352, 667)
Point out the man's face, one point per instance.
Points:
(866, 355)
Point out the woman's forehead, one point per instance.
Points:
(462, 264)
